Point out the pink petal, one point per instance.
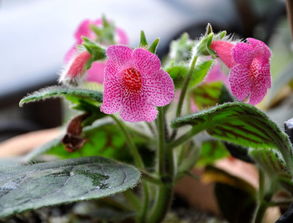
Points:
(258, 91)
(159, 88)
(243, 53)
(260, 47)
(224, 50)
(122, 37)
(119, 55)
(240, 82)
(82, 30)
(135, 109)
(112, 98)
(96, 72)
(145, 61)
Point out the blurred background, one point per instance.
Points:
(36, 34)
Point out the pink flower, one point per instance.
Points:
(250, 68)
(95, 73)
(75, 68)
(134, 84)
(216, 74)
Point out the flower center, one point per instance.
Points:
(131, 79)
(254, 68)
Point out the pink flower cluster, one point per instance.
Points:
(134, 84)
(250, 68)
(95, 73)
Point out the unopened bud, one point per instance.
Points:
(75, 69)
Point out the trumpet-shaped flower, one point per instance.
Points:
(95, 73)
(134, 84)
(250, 67)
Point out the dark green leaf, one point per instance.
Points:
(38, 185)
(236, 205)
(235, 197)
(59, 91)
(239, 152)
(241, 124)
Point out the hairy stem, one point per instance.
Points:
(165, 170)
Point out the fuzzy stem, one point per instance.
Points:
(185, 86)
(165, 170)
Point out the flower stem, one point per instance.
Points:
(165, 170)
(183, 92)
(185, 86)
(133, 150)
(139, 163)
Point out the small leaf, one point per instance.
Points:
(203, 46)
(209, 29)
(96, 51)
(58, 91)
(33, 186)
(200, 72)
(143, 41)
(154, 45)
(241, 124)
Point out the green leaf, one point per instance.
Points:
(200, 72)
(241, 124)
(143, 41)
(211, 151)
(103, 138)
(33, 186)
(59, 91)
(177, 73)
(271, 161)
(153, 47)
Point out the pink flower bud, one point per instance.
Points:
(75, 69)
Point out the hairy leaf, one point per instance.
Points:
(44, 184)
(271, 161)
(241, 124)
(59, 91)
